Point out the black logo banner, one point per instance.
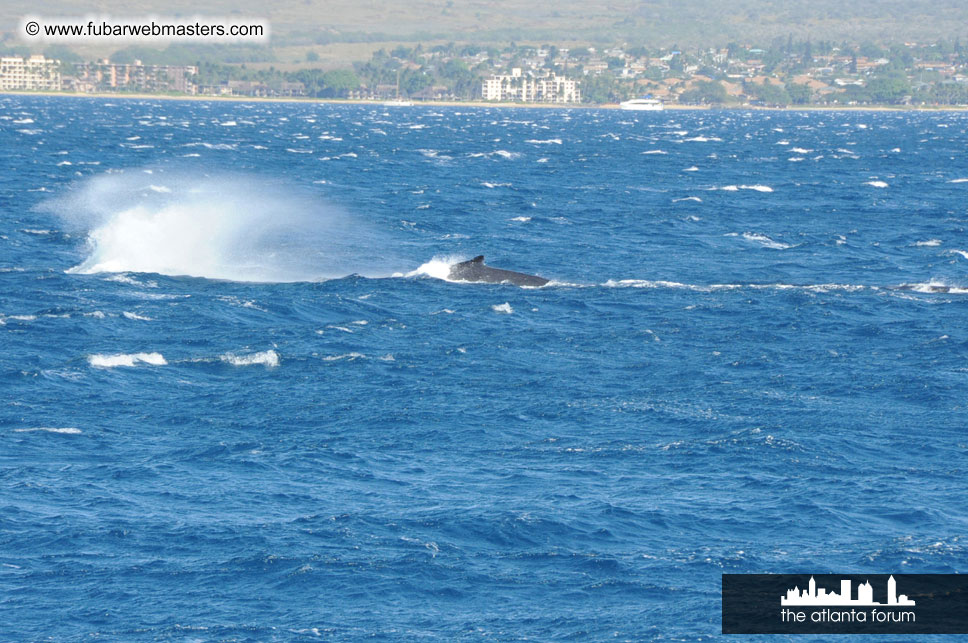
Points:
(845, 604)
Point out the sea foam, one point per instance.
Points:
(269, 359)
(126, 359)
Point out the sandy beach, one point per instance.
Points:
(475, 103)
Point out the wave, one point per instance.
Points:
(934, 287)
(347, 356)
(269, 359)
(501, 153)
(876, 184)
(765, 241)
(126, 359)
(734, 188)
(69, 430)
(660, 284)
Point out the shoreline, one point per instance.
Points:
(478, 104)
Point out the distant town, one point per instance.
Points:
(784, 73)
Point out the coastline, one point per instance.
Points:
(478, 104)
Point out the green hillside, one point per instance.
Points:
(657, 22)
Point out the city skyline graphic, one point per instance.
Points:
(818, 596)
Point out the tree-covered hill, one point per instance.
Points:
(653, 22)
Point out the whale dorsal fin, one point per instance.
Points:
(478, 259)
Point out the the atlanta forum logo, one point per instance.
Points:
(865, 603)
(863, 609)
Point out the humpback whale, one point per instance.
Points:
(475, 270)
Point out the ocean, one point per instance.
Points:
(243, 402)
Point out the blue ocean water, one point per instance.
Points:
(241, 402)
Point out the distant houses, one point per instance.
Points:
(738, 75)
(107, 76)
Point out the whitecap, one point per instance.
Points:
(765, 241)
(503, 308)
(735, 188)
(135, 316)
(126, 359)
(931, 287)
(347, 356)
(930, 243)
(876, 184)
(688, 198)
(269, 359)
(69, 430)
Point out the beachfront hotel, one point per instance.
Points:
(517, 87)
(35, 73)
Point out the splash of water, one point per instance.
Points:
(438, 267)
(220, 227)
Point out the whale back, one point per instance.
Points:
(475, 270)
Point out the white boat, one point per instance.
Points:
(642, 104)
(398, 102)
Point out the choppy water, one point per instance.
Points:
(240, 404)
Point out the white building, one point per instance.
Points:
(36, 73)
(517, 87)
